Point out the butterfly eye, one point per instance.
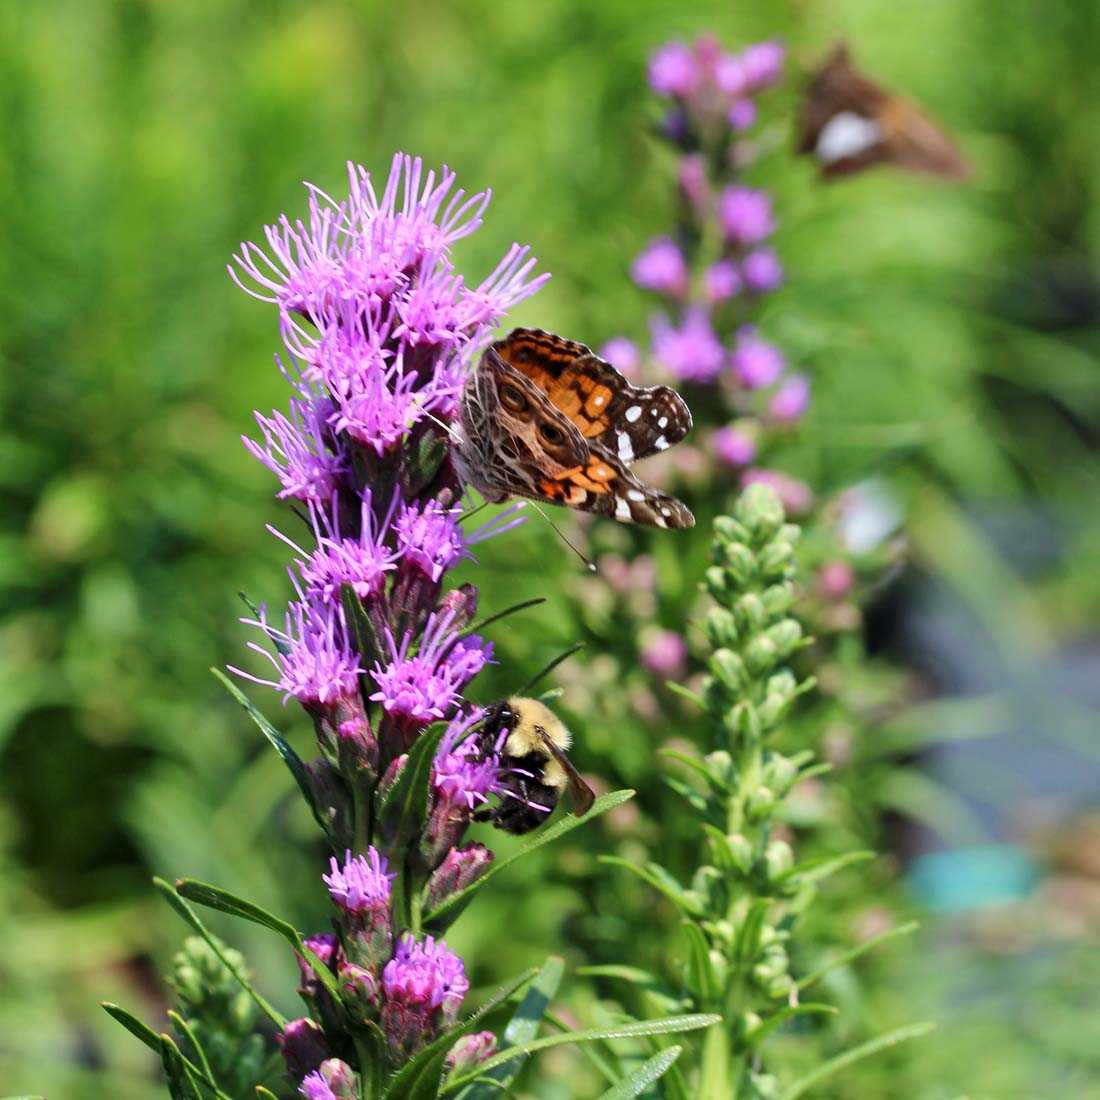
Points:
(512, 399)
(552, 435)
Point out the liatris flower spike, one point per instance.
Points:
(381, 335)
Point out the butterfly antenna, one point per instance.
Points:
(589, 565)
(550, 667)
(448, 428)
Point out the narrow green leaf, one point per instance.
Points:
(633, 974)
(276, 641)
(697, 766)
(667, 1026)
(481, 624)
(687, 792)
(702, 980)
(814, 870)
(182, 1085)
(778, 1019)
(854, 953)
(634, 1084)
(400, 1086)
(662, 881)
(864, 1050)
(133, 1025)
(748, 936)
(687, 693)
(215, 945)
(544, 836)
(184, 1028)
(265, 1094)
(523, 1026)
(403, 811)
(215, 898)
(289, 757)
(367, 642)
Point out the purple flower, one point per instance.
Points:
(304, 1047)
(756, 362)
(673, 71)
(721, 281)
(422, 687)
(790, 401)
(741, 115)
(761, 271)
(730, 75)
(664, 654)
(315, 1087)
(745, 215)
(692, 352)
(294, 450)
(462, 775)
(425, 974)
(362, 885)
(734, 447)
(661, 267)
(335, 1080)
(314, 660)
(763, 64)
(622, 354)
(796, 496)
(429, 538)
(693, 182)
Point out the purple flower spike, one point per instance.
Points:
(664, 654)
(335, 1080)
(745, 215)
(763, 65)
(674, 71)
(294, 450)
(318, 667)
(362, 885)
(693, 182)
(741, 115)
(721, 281)
(429, 538)
(422, 687)
(691, 352)
(790, 402)
(623, 354)
(756, 362)
(315, 1087)
(762, 271)
(661, 268)
(734, 447)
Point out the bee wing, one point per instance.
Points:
(582, 794)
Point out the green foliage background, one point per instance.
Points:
(950, 333)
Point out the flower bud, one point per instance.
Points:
(304, 1047)
(356, 748)
(749, 611)
(471, 1050)
(759, 510)
(786, 636)
(335, 1080)
(761, 655)
(778, 858)
(359, 990)
(779, 773)
(729, 668)
(721, 627)
(778, 598)
(720, 763)
(462, 602)
(717, 583)
(460, 868)
(741, 851)
(760, 803)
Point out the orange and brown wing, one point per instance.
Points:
(630, 421)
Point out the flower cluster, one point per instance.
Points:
(380, 333)
(713, 270)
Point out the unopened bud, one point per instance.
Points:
(729, 668)
(357, 748)
(460, 868)
(359, 991)
(721, 627)
(462, 603)
(779, 858)
(471, 1050)
(304, 1047)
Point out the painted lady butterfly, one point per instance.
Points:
(545, 418)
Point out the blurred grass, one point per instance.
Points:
(950, 332)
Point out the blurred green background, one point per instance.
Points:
(952, 340)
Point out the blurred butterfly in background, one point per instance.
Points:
(848, 123)
(543, 417)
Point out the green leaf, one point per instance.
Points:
(276, 641)
(182, 1085)
(854, 953)
(481, 624)
(687, 792)
(362, 631)
(215, 945)
(133, 1025)
(215, 898)
(634, 1084)
(289, 757)
(522, 1028)
(864, 1050)
(687, 693)
(772, 1023)
(427, 1067)
(699, 767)
(748, 937)
(265, 1094)
(403, 811)
(702, 980)
(667, 1026)
(543, 836)
(814, 870)
(184, 1028)
(659, 879)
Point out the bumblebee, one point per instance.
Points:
(533, 763)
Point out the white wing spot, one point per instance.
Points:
(599, 399)
(846, 135)
(635, 494)
(626, 448)
(663, 422)
(622, 509)
(660, 443)
(634, 412)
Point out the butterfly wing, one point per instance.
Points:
(848, 123)
(630, 421)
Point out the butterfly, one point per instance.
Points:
(543, 417)
(848, 122)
